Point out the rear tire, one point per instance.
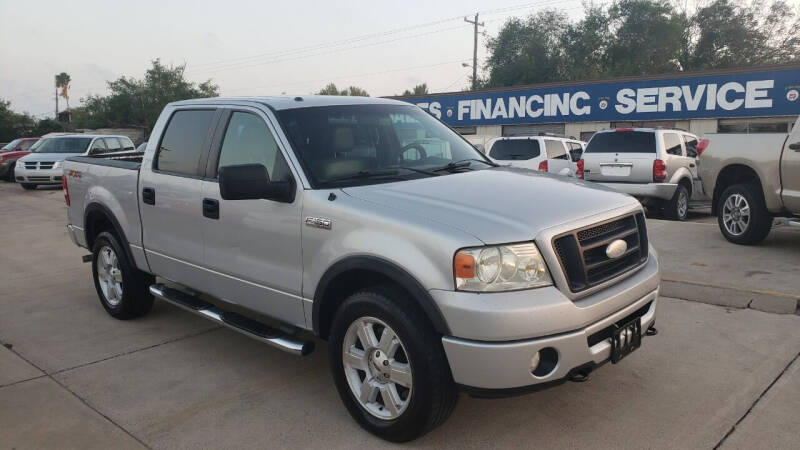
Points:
(28, 186)
(742, 215)
(122, 288)
(677, 208)
(10, 175)
(431, 395)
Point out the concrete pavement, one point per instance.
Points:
(75, 378)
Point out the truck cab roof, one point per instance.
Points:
(281, 102)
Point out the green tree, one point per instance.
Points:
(420, 89)
(138, 102)
(586, 44)
(14, 125)
(647, 37)
(331, 89)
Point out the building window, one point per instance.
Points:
(770, 125)
(466, 130)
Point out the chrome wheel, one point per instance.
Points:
(683, 204)
(376, 367)
(109, 275)
(736, 214)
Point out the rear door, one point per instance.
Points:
(171, 197)
(790, 171)
(690, 142)
(252, 247)
(524, 152)
(625, 155)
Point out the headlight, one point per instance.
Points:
(500, 268)
(57, 165)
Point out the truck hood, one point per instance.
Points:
(13, 154)
(498, 205)
(48, 156)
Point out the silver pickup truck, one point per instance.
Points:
(752, 179)
(371, 225)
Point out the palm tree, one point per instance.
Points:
(62, 82)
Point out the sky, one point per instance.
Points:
(247, 47)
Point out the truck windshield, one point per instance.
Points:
(367, 144)
(623, 142)
(62, 145)
(11, 144)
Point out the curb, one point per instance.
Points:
(730, 296)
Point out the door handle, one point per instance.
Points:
(211, 208)
(795, 146)
(691, 164)
(149, 196)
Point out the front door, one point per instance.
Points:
(252, 247)
(790, 171)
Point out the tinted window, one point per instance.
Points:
(622, 142)
(691, 145)
(515, 149)
(575, 150)
(61, 145)
(182, 145)
(26, 145)
(113, 144)
(555, 149)
(249, 141)
(672, 144)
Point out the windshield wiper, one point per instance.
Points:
(425, 171)
(364, 174)
(462, 164)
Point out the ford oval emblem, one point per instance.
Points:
(616, 249)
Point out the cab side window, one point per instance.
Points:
(691, 145)
(555, 149)
(672, 144)
(181, 148)
(113, 144)
(249, 141)
(98, 146)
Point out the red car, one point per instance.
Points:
(10, 153)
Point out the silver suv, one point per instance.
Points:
(372, 225)
(657, 166)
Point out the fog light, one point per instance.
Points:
(546, 360)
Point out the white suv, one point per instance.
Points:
(545, 152)
(657, 166)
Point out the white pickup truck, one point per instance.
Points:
(752, 178)
(370, 224)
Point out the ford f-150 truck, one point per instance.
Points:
(372, 225)
(752, 179)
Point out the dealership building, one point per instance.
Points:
(755, 100)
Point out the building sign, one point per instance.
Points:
(751, 94)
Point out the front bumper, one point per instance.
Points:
(663, 191)
(495, 336)
(38, 176)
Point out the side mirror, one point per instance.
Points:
(251, 182)
(702, 145)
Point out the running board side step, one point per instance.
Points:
(249, 327)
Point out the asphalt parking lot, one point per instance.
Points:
(722, 372)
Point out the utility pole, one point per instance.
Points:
(474, 50)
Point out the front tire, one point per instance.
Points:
(28, 186)
(389, 365)
(122, 288)
(677, 208)
(742, 215)
(10, 175)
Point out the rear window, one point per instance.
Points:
(515, 149)
(182, 145)
(622, 142)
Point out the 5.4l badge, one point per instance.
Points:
(318, 222)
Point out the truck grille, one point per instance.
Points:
(43, 165)
(582, 252)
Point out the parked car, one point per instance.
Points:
(657, 166)
(10, 153)
(141, 147)
(281, 216)
(752, 179)
(545, 152)
(43, 165)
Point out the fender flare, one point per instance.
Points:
(388, 269)
(102, 209)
